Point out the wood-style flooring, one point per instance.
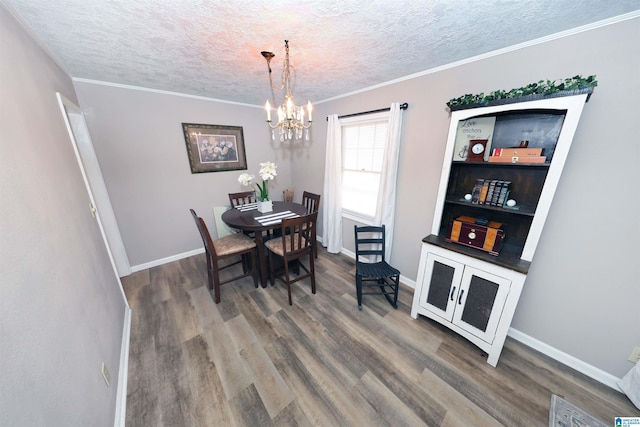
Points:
(253, 360)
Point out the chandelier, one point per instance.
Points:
(291, 124)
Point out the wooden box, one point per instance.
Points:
(516, 159)
(517, 152)
(466, 231)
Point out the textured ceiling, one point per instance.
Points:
(212, 48)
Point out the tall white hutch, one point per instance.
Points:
(469, 290)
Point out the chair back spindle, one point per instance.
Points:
(242, 198)
(311, 201)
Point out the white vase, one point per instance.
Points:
(266, 206)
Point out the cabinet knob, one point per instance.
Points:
(472, 235)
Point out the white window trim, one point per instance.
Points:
(355, 216)
(366, 118)
(360, 120)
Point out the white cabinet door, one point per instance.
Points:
(470, 298)
(480, 302)
(441, 284)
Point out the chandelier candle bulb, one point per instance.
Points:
(309, 110)
(289, 108)
(268, 108)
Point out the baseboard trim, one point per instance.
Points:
(562, 357)
(123, 374)
(140, 267)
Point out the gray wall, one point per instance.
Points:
(583, 291)
(138, 139)
(61, 309)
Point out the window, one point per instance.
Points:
(363, 146)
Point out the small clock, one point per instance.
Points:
(477, 148)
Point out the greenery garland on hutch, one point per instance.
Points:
(542, 89)
(473, 288)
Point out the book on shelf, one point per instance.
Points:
(477, 189)
(504, 194)
(496, 193)
(483, 192)
(516, 159)
(492, 186)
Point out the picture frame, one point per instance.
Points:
(214, 148)
(473, 128)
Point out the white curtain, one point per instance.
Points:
(386, 206)
(332, 194)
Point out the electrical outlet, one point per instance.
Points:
(105, 374)
(635, 355)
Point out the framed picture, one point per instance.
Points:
(470, 129)
(214, 148)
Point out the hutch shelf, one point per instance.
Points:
(463, 284)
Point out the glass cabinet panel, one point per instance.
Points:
(480, 302)
(480, 298)
(440, 287)
(441, 284)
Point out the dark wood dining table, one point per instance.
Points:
(246, 221)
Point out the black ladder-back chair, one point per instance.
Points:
(376, 275)
(225, 247)
(311, 202)
(294, 243)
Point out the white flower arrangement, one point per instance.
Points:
(267, 172)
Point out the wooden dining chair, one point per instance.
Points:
(292, 246)
(372, 271)
(236, 244)
(242, 198)
(311, 202)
